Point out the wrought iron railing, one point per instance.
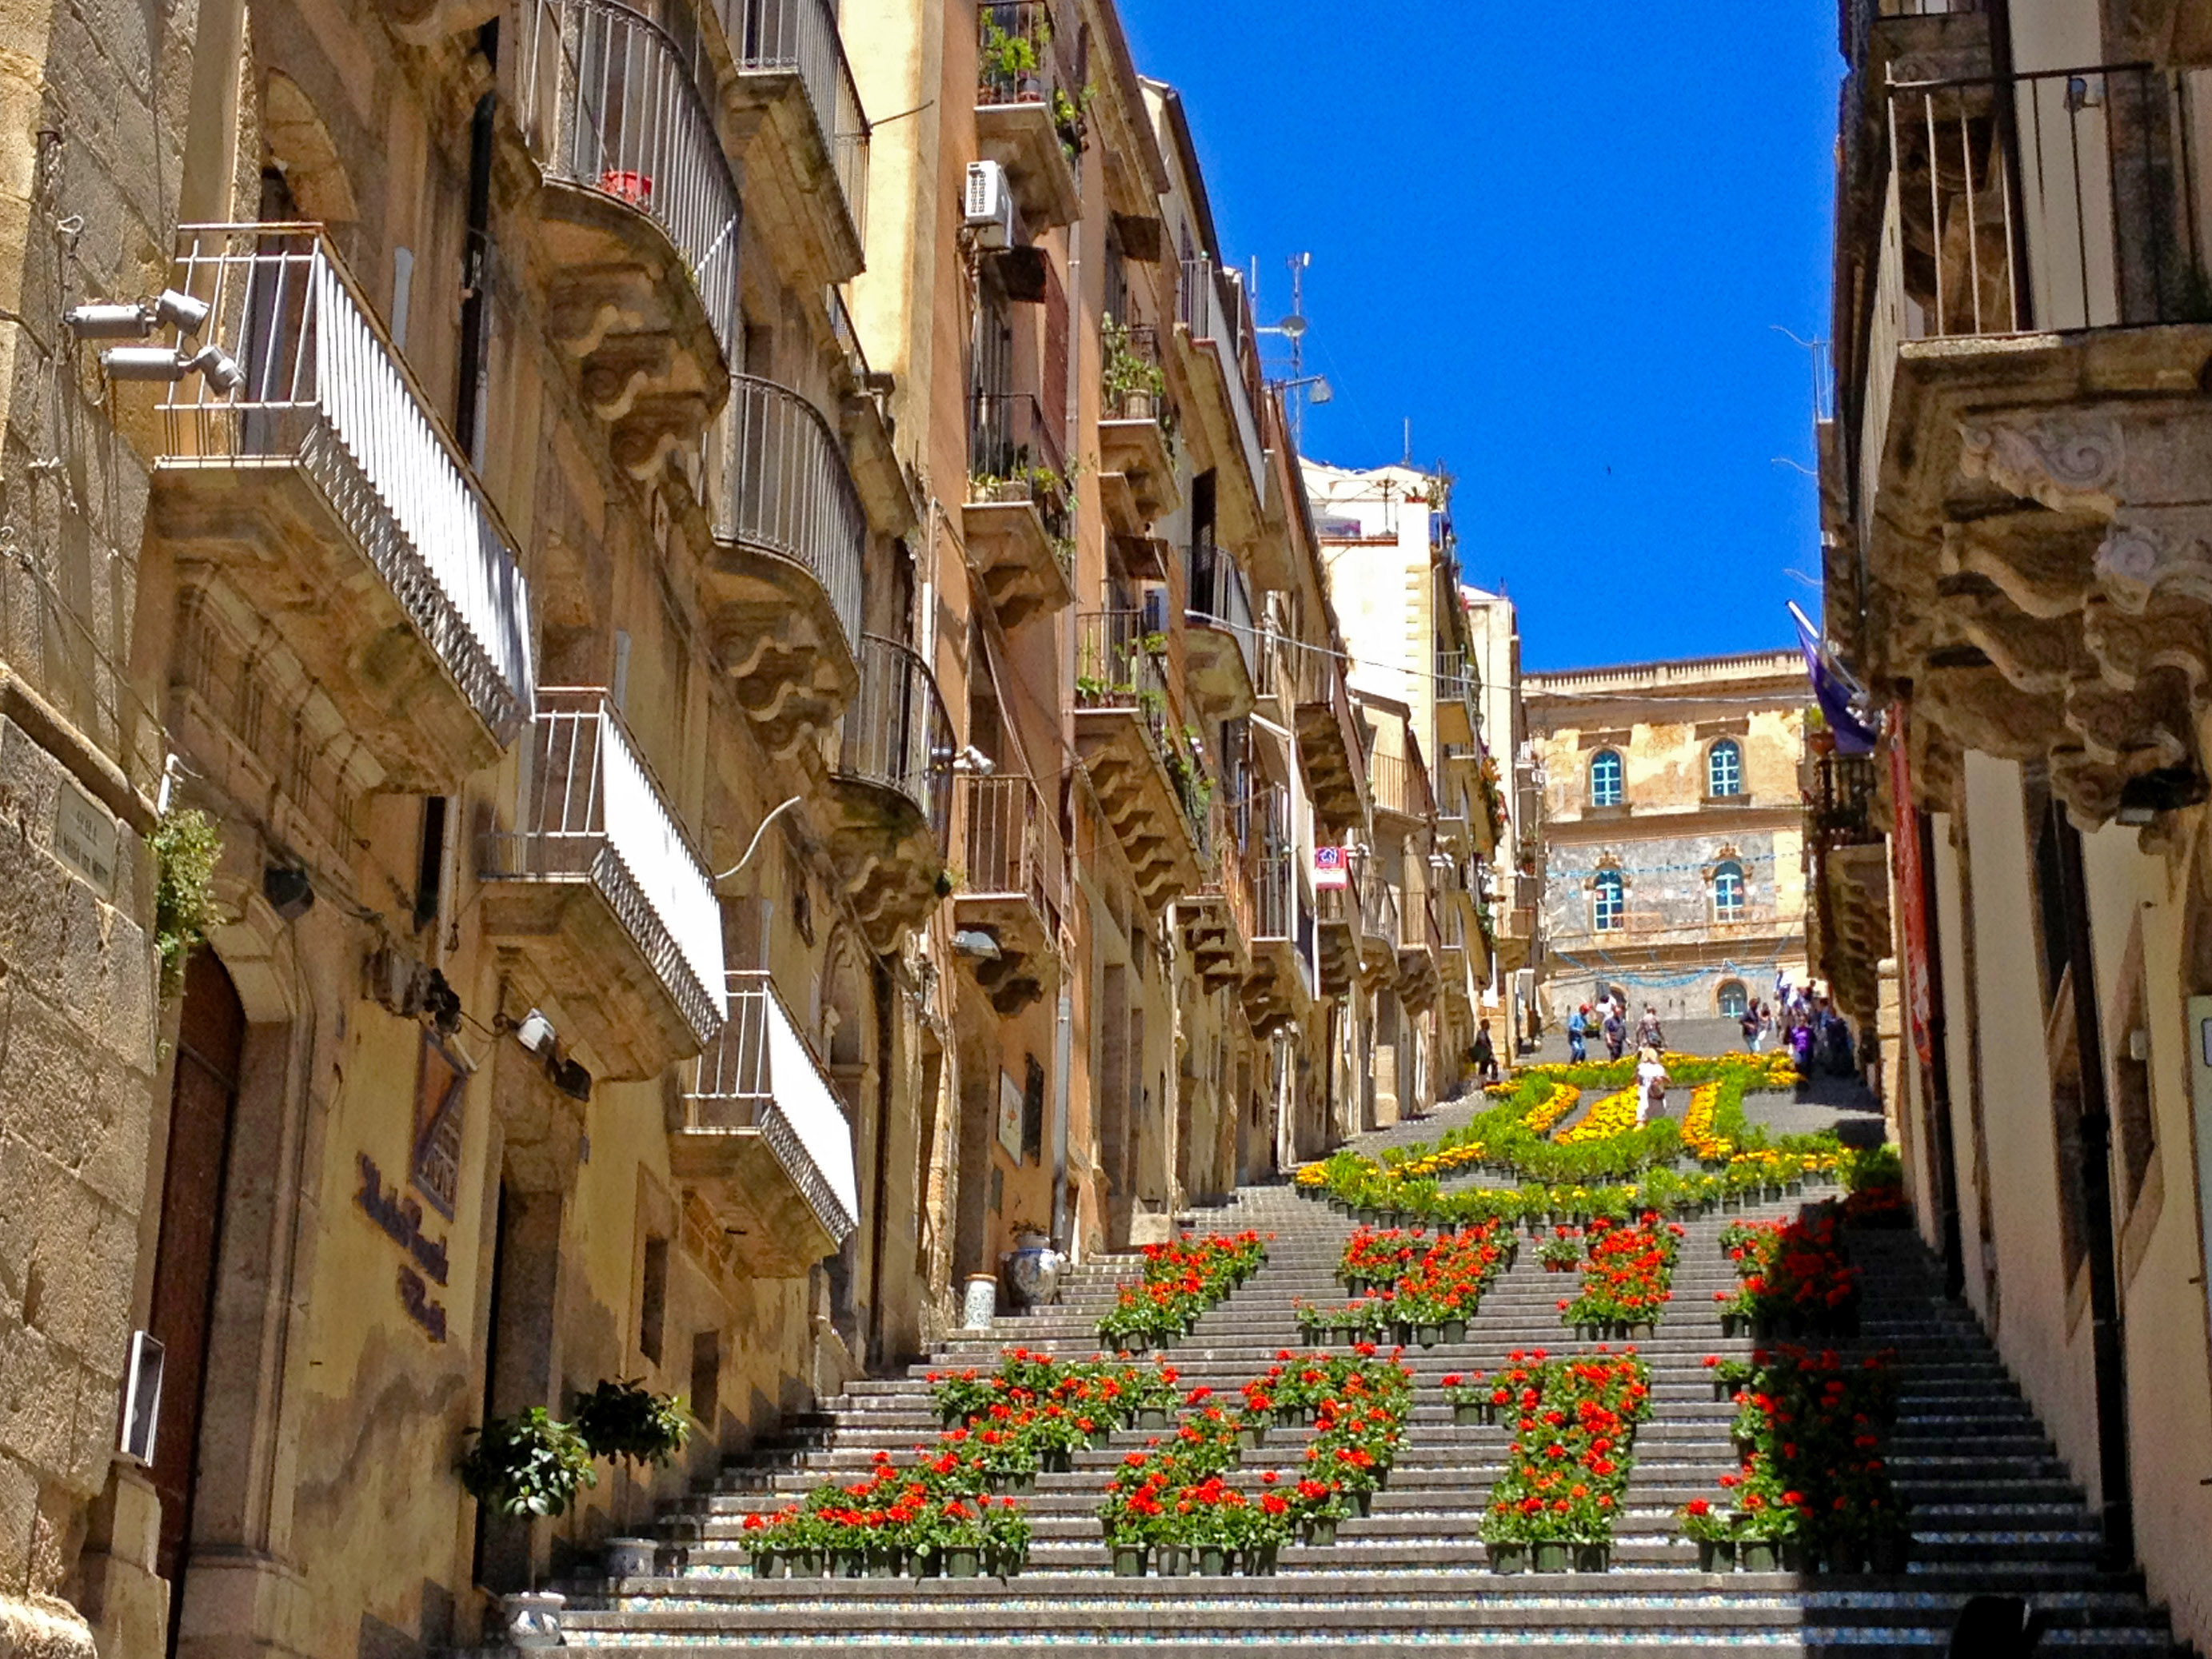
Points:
(323, 387)
(2063, 199)
(588, 808)
(896, 734)
(750, 1079)
(1275, 895)
(1845, 789)
(1378, 906)
(1015, 454)
(1021, 53)
(801, 36)
(1399, 784)
(787, 490)
(1119, 664)
(1218, 598)
(1213, 306)
(1339, 905)
(609, 100)
(1011, 844)
(1132, 384)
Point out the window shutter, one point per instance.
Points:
(1053, 392)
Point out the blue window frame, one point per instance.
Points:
(1609, 900)
(1727, 890)
(1605, 778)
(1724, 769)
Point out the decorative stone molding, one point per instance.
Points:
(2064, 461)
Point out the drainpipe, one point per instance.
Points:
(885, 991)
(2109, 1353)
(1063, 1059)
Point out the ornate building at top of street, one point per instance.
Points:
(1673, 832)
(2014, 474)
(649, 719)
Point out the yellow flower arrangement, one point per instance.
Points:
(1615, 1115)
(1444, 1162)
(1561, 1101)
(1698, 1124)
(1312, 1175)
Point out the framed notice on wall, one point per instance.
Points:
(1010, 1115)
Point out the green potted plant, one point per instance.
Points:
(519, 1469)
(628, 1421)
(1712, 1530)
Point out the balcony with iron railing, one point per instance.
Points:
(1399, 784)
(1218, 917)
(1142, 781)
(596, 898)
(635, 242)
(1010, 886)
(893, 792)
(327, 489)
(1221, 646)
(1458, 688)
(1028, 105)
(1018, 523)
(1843, 800)
(1339, 930)
(798, 114)
(1380, 920)
(1221, 356)
(783, 586)
(763, 1138)
(2050, 207)
(1136, 427)
(1279, 985)
(1330, 744)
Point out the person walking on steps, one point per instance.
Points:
(1615, 1030)
(1577, 1032)
(1648, 1035)
(1749, 1022)
(1651, 1082)
(1485, 1055)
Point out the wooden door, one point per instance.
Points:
(202, 1103)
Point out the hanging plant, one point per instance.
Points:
(627, 1419)
(522, 1467)
(186, 848)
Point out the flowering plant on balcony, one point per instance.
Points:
(628, 1421)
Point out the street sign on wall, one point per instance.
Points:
(1331, 868)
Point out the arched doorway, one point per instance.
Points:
(1734, 999)
(202, 1104)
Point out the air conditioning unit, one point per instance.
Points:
(991, 212)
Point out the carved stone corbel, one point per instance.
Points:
(2067, 462)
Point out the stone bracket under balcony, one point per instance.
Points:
(620, 302)
(1139, 802)
(1214, 937)
(889, 794)
(1024, 139)
(1274, 989)
(2043, 565)
(1337, 945)
(779, 643)
(1013, 556)
(1215, 667)
(792, 187)
(1028, 966)
(1335, 766)
(1419, 981)
(1138, 451)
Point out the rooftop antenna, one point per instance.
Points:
(1293, 328)
(1408, 460)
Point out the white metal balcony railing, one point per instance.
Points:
(760, 1074)
(896, 734)
(1211, 302)
(608, 101)
(787, 490)
(1378, 906)
(1011, 844)
(1275, 895)
(2058, 201)
(802, 36)
(1220, 598)
(587, 810)
(325, 389)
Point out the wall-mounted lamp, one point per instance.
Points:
(290, 894)
(103, 320)
(974, 942)
(535, 1034)
(973, 763)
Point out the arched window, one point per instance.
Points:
(1727, 890)
(1724, 769)
(1734, 999)
(1609, 900)
(1605, 778)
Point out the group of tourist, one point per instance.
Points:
(1806, 1023)
(1609, 1022)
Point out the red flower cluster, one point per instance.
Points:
(1628, 1272)
(1572, 1446)
(1793, 1275)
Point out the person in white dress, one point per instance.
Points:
(1651, 1082)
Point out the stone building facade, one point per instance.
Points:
(2013, 486)
(1673, 832)
(761, 695)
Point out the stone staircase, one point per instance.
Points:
(1993, 1511)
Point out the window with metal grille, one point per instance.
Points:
(1609, 900)
(1727, 890)
(1605, 778)
(1724, 769)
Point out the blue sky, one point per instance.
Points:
(1556, 238)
